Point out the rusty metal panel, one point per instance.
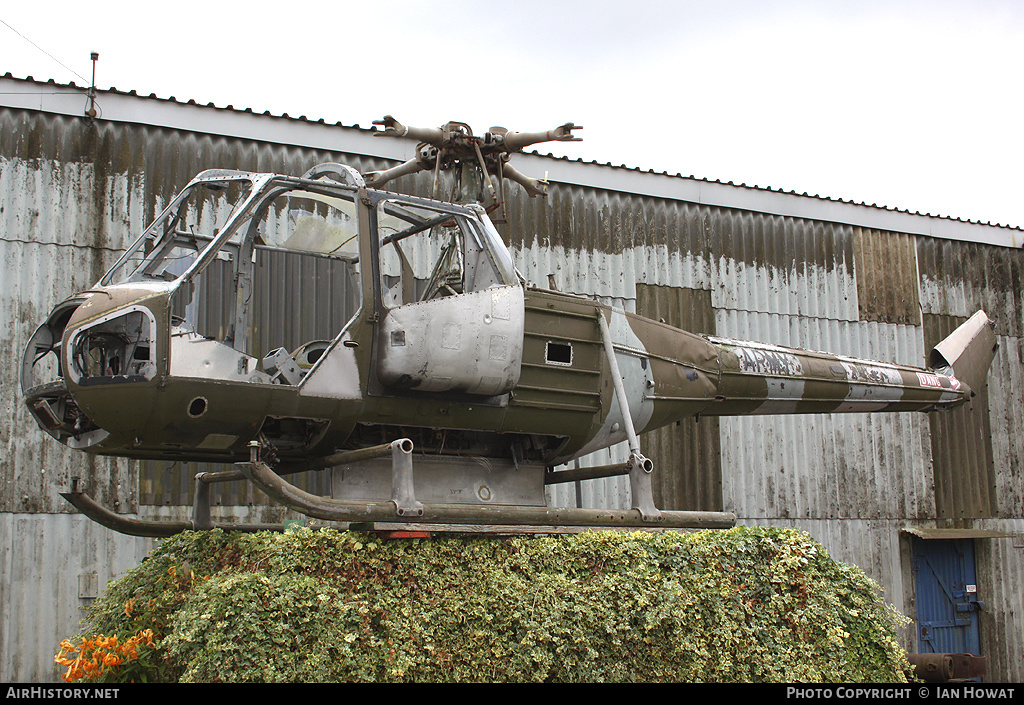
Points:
(886, 268)
(687, 456)
(1000, 564)
(44, 206)
(600, 243)
(961, 440)
(958, 278)
(1006, 419)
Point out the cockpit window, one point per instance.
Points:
(304, 221)
(284, 276)
(428, 253)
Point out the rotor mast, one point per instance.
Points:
(479, 163)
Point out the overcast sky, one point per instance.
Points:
(910, 104)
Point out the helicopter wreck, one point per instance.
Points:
(450, 388)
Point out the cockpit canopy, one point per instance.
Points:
(264, 263)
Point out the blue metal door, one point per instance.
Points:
(947, 596)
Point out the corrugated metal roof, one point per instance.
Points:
(117, 105)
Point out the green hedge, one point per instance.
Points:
(748, 604)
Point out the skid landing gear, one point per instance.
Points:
(143, 527)
(401, 513)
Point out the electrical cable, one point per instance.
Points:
(44, 51)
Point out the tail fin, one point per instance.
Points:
(967, 351)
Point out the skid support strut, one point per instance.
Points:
(640, 468)
(403, 494)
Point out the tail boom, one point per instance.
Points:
(768, 379)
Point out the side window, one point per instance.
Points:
(312, 223)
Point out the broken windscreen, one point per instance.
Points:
(306, 221)
(173, 242)
(284, 275)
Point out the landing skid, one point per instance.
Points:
(143, 527)
(402, 509)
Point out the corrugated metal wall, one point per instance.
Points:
(886, 271)
(73, 192)
(827, 466)
(1000, 574)
(51, 564)
(687, 455)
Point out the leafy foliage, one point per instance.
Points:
(749, 604)
(106, 659)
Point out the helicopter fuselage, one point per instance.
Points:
(186, 350)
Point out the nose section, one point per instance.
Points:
(44, 383)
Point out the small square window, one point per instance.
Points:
(558, 353)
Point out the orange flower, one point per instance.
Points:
(95, 657)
